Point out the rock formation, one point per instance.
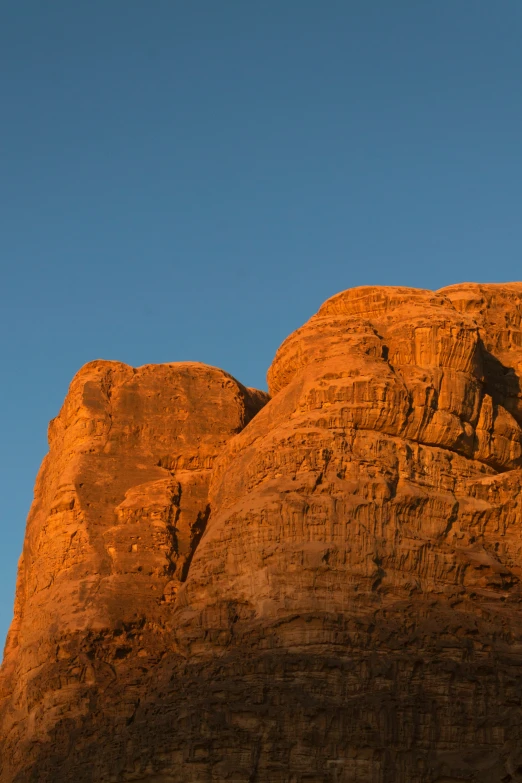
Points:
(121, 502)
(323, 588)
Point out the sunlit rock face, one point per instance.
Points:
(327, 591)
(120, 504)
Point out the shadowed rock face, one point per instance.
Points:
(330, 593)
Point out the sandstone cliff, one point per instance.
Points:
(329, 591)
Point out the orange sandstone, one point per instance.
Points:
(324, 590)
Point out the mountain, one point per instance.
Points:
(322, 585)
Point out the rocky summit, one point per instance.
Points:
(321, 585)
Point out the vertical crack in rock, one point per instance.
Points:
(197, 530)
(173, 515)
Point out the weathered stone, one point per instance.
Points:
(352, 611)
(120, 505)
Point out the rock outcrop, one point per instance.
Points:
(322, 588)
(121, 502)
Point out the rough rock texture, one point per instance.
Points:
(352, 612)
(121, 502)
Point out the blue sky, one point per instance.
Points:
(190, 180)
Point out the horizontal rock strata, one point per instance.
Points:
(322, 588)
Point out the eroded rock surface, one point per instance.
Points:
(121, 502)
(343, 604)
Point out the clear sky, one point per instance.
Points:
(190, 179)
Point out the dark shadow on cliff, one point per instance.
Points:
(502, 383)
(199, 527)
